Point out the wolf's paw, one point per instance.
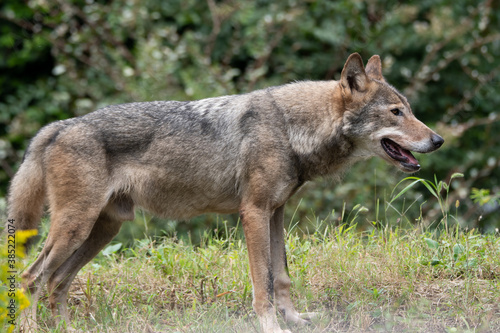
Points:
(300, 319)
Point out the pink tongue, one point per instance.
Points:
(408, 155)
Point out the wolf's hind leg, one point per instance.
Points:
(104, 230)
(76, 190)
(58, 248)
(281, 279)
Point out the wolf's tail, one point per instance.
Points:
(27, 190)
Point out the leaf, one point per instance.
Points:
(458, 248)
(472, 262)
(481, 196)
(406, 188)
(112, 249)
(352, 306)
(432, 243)
(430, 187)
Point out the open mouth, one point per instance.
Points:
(398, 153)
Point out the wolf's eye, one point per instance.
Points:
(397, 112)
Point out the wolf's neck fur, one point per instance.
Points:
(313, 114)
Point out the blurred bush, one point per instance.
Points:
(63, 59)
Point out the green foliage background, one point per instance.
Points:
(60, 59)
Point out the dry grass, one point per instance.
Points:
(381, 281)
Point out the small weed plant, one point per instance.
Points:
(12, 298)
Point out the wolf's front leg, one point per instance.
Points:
(255, 221)
(281, 279)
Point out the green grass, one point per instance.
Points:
(433, 278)
(382, 281)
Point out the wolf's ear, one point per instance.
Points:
(353, 77)
(374, 68)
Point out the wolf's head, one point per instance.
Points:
(379, 119)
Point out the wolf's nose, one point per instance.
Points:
(437, 140)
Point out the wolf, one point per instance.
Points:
(244, 153)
